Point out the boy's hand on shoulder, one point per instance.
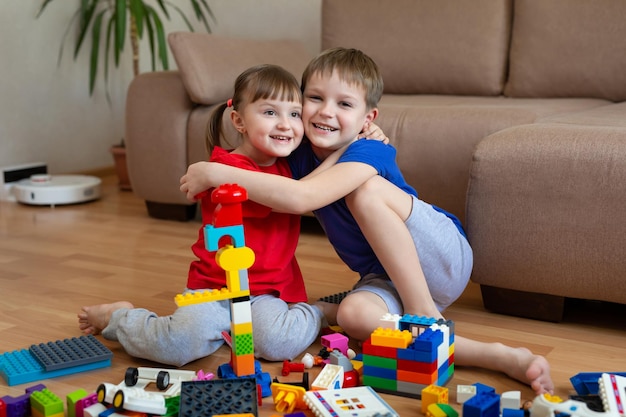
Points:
(194, 183)
(374, 132)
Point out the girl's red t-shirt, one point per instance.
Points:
(272, 236)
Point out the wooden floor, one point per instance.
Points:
(54, 260)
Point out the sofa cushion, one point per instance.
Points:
(568, 48)
(210, 64)
(426, 46)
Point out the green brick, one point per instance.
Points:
(380, 362)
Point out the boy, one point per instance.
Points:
(412, 257)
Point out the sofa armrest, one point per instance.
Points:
(157, 113)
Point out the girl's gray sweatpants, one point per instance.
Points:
(280, 330)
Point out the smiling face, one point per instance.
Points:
(334, 112)
(271, 128)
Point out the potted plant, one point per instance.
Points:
(109, 23)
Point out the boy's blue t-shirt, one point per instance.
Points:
(340, 226)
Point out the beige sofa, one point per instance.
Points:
(510, 114)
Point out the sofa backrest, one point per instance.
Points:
(426, 46)
(209, 64)
(568, 48)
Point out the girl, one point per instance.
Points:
(267, 107)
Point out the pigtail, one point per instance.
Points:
(214, 129)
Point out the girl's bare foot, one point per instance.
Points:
(329, 310)
(92, 319)
(531, 369)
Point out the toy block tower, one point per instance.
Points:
(406, 357)
(234, 258)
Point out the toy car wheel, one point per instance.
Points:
(101, 393)
(118, 400)
(131, 377)
(163, 380)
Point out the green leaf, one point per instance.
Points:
(120, 28)
(95, 49)
(180, 12)
(163, 9)
(150, 31)
(43, 6)
(160, 37)
(87, 10)
(137, 11)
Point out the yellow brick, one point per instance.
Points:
(391, 338)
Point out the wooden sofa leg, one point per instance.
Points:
(166, 211)
(523, 304)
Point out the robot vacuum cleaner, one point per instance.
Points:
(51, 190)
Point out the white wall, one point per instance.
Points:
(46, 113)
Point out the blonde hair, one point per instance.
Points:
(352, 66)
(256, 83)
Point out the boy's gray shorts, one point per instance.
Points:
(445, 256)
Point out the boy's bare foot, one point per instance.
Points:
(92, 319)
(531, 369)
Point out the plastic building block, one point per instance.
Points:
(334, 298)
(353, 402)
(289, 367)
(335, 341)
(511, 399)
(3, 408)
(613, 393)
(207, 296)
(391, 338)
(544, 406)
(218, 396)
(440, 410)
(46, 403)
(510, 412)
(85, 402)
(72, 400)
(288, 397)
(483, 404)
(433, 394)
(94, 410)
(20, 366)
(464, 393)
(331, 377)
(229, 198)
(586, 383)
(263, 379)
(70, 352)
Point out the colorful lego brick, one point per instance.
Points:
(510, 412)
(354, 402)
(334, 298)
(415, 324)
(482, 404)
(384, 351)
(243, 365)
(20, 366)
(433, 394)
(380, 384)
(242, 344)
(213, 235)
(464, 393)
(70, 352)
(391, 338)
(85, 402)
(335, 341)
(228, 197)
(3, 408)
(441, 410)
(390, 321)
(240, 310)
(46, 403)
(330, 377)
(586, 383)
(207, 296)
(510, 399)
(94, 410)
(288, 397)
(71, 400)
(218, 396)
(235, 261)
(612, 389)
(380, 362)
